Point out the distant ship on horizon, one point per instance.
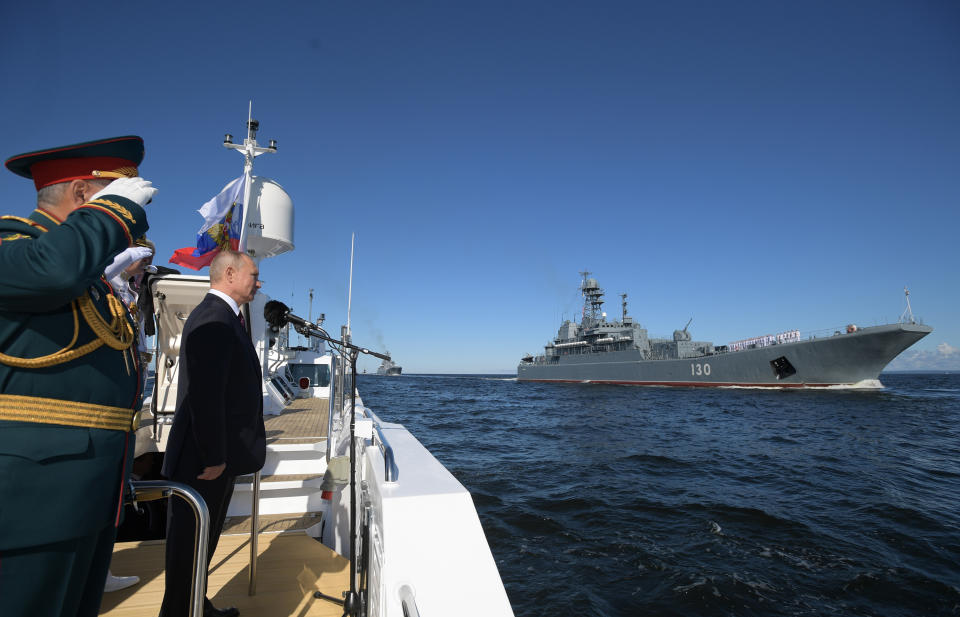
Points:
(620, 352)
(389, 368)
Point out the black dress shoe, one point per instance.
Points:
(211, 611)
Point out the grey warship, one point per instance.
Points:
(389, 368)
(620, 352)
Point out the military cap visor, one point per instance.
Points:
(110, 158)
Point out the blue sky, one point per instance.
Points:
(757, 166)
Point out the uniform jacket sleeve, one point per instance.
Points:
(55, 267)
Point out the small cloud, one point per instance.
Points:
(945, 357)
(946, 349)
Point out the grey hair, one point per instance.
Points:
(51, 195)
(224, 260)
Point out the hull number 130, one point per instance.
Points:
(697, 369)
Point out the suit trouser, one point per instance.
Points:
(62, 579)
(181, 543)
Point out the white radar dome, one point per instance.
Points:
(270, 221)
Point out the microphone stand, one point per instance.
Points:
(351, 599)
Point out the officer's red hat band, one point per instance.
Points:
(111, 158)
(46, 173)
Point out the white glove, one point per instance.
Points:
(134, 189)
(122, 289)
(123, 260)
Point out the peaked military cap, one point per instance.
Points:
(114, 157)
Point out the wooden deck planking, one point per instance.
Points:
(270, 523)
(290, 568)
(305, 420)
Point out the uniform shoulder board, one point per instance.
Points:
(16, 227)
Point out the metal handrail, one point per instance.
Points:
(152, 490)
(391, 471)
(408, 602)
(254, 530)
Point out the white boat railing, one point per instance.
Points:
(337, 424)
(391, 472)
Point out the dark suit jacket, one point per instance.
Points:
(219, 417)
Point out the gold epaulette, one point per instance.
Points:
(20, 236)
(67, 413)
(20, 219)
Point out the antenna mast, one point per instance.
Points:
(350, 288)
(623, 298)
(592, 300)
(907, 315)
(250, 150)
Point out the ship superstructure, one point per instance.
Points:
(621, 352)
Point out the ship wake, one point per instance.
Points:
(865, 384)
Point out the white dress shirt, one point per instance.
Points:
(227, 299)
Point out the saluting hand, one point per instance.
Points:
(212, 473)
(123, 260)
(135, 189)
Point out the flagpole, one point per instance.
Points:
(247, 180)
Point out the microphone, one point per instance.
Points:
(277, 314)
(152, 269)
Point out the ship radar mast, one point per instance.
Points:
(907, 315)
(623, 301)
(592, 300)
(250, 150)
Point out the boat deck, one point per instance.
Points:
(303, 421)
(291, 564)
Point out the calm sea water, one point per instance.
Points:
(605, 500)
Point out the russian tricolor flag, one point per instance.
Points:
(223, 220)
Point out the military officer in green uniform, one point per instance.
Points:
(70, 375)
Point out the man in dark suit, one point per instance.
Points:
(217, 432)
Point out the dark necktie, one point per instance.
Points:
(243, 322)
